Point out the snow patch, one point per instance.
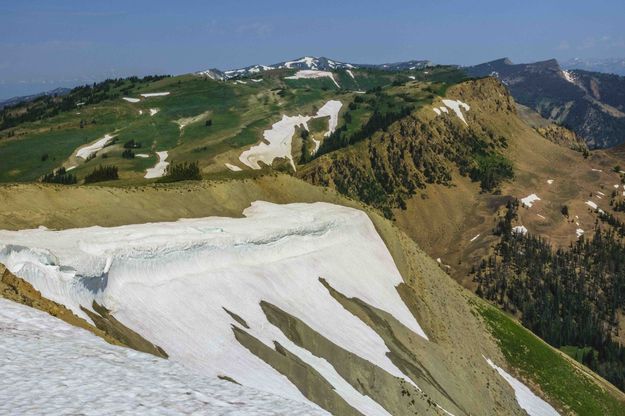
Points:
(89, 150)
(233, 168)
(549, 181)
(153, 111)
(591, 204)
(519, 229)
(455, 106)
(351, 74)
(579, 232)
(474, 238)
(331, 109)
(155, 94)
(142, 155)
(437, 111)
(529, 200)
(312, 73)
(568, 76)
(527, 400)
(159, 169)
(131, 100)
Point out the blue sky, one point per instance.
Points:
(45, 44)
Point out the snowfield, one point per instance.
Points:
(181, 275)
(87, 151)
(278, 140)
(51, 368)
(159, 169)
(529, 200)
(312, 73)
(528, 401)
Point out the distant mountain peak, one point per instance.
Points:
(307, 62)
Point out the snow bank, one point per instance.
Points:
(528, 401)
(51, 367)
(455, 106)
(159, 169)
(155, 94)
(87, 151)
(313, 73)
(529, 200)
(181, 275)
(131, 100)
(233, 168)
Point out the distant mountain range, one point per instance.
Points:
(311, 63)
(27, 98)
(609, 65)
(592, 104)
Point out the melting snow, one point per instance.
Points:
(529, 200)
(70, 168)
(528, 401)
(143, 155)
(591, 204)
(549, 181)
(444, 110)
(233, 168)
(131, 100)
(596, 170)
(154, 111)
(159, 169)
(311, 73)
(519, 229)
(190, 270)
(579, 232)
(51, 367)
(455, 106)
(278, 139)
(568, 76)
(155, 94)
(474, 238)
(437, 111)
(412, 77)
(351, 74)
(256, 80)
(87, 151)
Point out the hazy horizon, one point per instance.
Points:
(69, 43)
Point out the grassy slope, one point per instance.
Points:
(575, 387)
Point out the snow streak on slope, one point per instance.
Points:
(331, 109)
(159, 169)
(455, 106)
(170, 282)
(87, 151)
(532, 404)
(50, 367)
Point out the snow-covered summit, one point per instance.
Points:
(312, 63)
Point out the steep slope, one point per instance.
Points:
(450, 368)
(573, 99)
(72, 371)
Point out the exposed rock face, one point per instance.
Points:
(589, 103)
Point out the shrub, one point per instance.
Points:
(131, 144)
(128, 154)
